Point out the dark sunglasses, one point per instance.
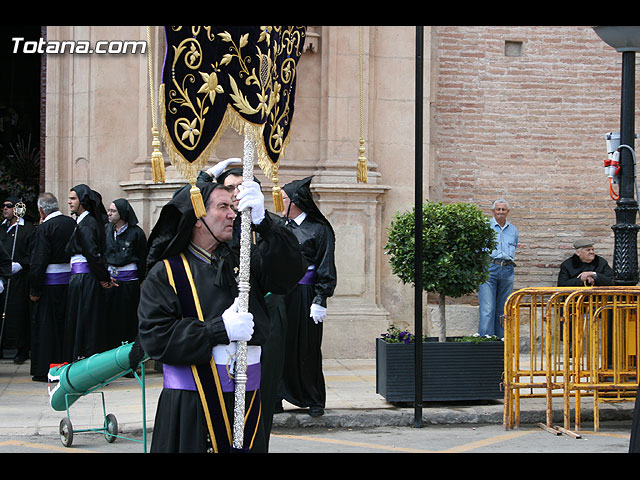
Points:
(8, 205)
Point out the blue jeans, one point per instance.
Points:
(492, 296)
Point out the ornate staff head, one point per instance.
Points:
(19, 209)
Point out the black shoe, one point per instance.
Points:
(20, 358)
(40, 378)
(277, 408)
(316, 411)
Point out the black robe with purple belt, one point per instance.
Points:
(125, 255)
(48, 281)
(302, 379)
(171, 335)
(85, 301)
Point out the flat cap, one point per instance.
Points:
(582, 242)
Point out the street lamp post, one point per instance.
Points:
(625, 39)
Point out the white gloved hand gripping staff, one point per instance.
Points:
(239, 325)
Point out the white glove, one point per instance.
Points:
(15, 268)
(318, 313)
(220, 167)
(251, 196)
(239, 326)
(1, 286)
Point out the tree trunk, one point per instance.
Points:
(443, 323)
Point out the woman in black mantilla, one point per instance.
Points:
(89, 275)
(125, 255)
(303, 381)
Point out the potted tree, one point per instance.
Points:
(457, 241)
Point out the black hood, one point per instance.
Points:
(172, 232)
(125, 210)
(92, 202)
(299, 192)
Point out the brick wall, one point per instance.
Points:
(529, 128)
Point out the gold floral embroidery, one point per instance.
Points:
(216, 77)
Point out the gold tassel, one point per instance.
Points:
(157, 161)
(278, 202)
(362, 164)
(361, 176)
(197, 202)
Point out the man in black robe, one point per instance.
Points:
(306, 306)
(49, 275)
(16, 235)
(89, 275)
(189, 319)
(272, 357)
(126, 255)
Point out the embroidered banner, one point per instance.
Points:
(219, 76)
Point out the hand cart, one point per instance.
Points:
(66, 387)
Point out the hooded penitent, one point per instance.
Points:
(299, 192)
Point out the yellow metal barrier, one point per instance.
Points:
(599, 357)
(536, 373)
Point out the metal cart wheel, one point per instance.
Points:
(66, 432)
(111, 426)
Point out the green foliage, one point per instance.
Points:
(457, 241)
(395, 335)
(477, 339)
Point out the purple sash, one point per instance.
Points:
(209, 379)
(309, 278)
(80, 267)
(126, 275)
(180, 377)
(61, 278)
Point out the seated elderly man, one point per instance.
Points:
(584, 268)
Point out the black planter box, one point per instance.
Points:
(450, 371)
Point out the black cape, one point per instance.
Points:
(49, 311)
(85, 302)
(302, 379)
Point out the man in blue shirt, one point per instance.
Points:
(493, 294)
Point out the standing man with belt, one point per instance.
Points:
(302, 381)
(89, 275)
(493, 294)
(49, 275)
(125, 255)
